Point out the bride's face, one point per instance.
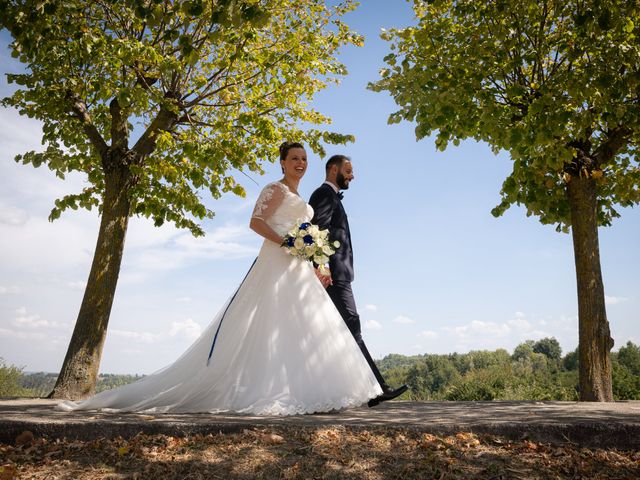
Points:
(295, 164)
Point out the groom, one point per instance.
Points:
(329, 214)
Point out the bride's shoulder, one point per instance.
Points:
(272, 186)
(271, 189)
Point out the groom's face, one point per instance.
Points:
(345, 175)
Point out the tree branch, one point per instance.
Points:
(616, 139)
(146, 144)
(81, 112)
(119, 138)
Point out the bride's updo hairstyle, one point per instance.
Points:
(286, 146)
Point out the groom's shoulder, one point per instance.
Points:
(322, 190)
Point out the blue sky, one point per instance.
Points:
(435, 272)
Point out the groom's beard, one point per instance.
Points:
(342, 184)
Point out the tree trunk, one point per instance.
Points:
(594, 335)
(77, 379)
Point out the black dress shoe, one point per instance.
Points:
(388, 394)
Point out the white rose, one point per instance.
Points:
(298, 243)
(320, 259)
(309, 250)
(320, 242)
(336, 244)
(313, 230)
(327, 250)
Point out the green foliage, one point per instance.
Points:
(477, 385)
(430, 376)
(571, 361)
(550, 347)
(10, 376)
(40, 384)
(107, 381)
(477, 375)
(523, 351)
(485, 375)
(554, 83)
(626, 384)
(210, 88)
(629, 357)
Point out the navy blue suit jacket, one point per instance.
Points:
(329, 214)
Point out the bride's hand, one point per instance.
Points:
(325, 280)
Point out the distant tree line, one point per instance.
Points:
(536, 370)
(14, 382)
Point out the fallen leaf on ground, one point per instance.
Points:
(271, 438)
(8, 472)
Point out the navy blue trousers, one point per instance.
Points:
(342, 297)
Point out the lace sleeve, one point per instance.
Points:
(269, 200)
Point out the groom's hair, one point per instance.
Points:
(337, 160)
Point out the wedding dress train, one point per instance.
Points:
(277, 347)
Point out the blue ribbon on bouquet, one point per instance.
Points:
(215, 338)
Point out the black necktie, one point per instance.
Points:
(340, 195)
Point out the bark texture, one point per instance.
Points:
(594, 335)
(77, 379)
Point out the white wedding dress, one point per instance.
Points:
(281, 347)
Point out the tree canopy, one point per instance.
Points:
(554, 83)
(208, 88)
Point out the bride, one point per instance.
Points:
(277, 347)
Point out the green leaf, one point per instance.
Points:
(210, 88)
(546, 83)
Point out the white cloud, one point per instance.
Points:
(143, 234)
(428, 334)
(23, 320)
(565, 322)
(520, 315)
(222, 242)
(372, 325)
(11, 215)
(22, 335)
(31, 321)
(371, 308)
(176, 249)
(79, 285)
(186, 328)
(34, 186)
(9, 290)
(18, 133)
(609, 300)
(480, 327)
(142, 337)
(69, 243)
(401, 319)
(519, 324)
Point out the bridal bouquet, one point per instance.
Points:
(308, 242)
